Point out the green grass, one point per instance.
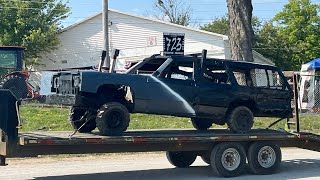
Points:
(35, 118)
(56, 119)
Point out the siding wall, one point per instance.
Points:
(81, 45)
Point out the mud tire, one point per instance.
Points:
(240, 120)
(112, 119)
(76, 119)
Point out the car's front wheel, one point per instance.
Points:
(112, 119)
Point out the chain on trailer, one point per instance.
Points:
(80, 120)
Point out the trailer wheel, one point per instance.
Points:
(112, 119)
(181, 159)
(79, 115)
(16, 84)
(201, 124)
(206, 158)
(264, 158)
(228, 159)
(240, 119)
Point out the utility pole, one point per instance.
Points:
(105, 22)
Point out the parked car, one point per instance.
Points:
(207, 90)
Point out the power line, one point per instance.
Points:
(201, 4)
(195, 20)
(204, 11)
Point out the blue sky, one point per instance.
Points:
(203, 10)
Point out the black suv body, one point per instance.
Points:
(206, 90)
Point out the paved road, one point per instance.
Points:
(297, 164)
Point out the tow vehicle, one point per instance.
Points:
(12, 74)
(225, 151)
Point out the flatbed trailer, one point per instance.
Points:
(46, 143)
(226, 152)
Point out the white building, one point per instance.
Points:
(136, 37)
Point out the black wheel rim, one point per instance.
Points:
(115, 119)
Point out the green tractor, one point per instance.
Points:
(12, 76)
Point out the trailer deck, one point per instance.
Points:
(42, 143)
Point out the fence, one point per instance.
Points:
(309, 93)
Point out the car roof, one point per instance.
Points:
(233, 63)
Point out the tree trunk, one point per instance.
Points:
(241, 32)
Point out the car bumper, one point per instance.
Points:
(61, 99)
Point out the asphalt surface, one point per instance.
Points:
(296, 164)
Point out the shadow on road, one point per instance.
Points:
(291, 169)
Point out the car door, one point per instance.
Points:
(175, 92)
(215, 91)
(274, 98)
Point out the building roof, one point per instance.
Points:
(224, 37)
(264, 59)
(145, 18)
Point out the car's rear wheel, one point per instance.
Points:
(201, 124)
(240, 120)
(113, 119)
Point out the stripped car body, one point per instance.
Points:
(186, 86)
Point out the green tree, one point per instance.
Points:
(274, 46)
(298, 25)
(32, 24)
(220, 25)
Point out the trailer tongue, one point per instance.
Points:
(226, 152)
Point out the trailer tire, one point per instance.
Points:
(206, 158)
(76, 113)
(181, 159)
(240, 119)
(201, 124)
(228, 159)
(264, 158)
(113, 119)
(17, 85)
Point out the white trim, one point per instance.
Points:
(78, 23)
